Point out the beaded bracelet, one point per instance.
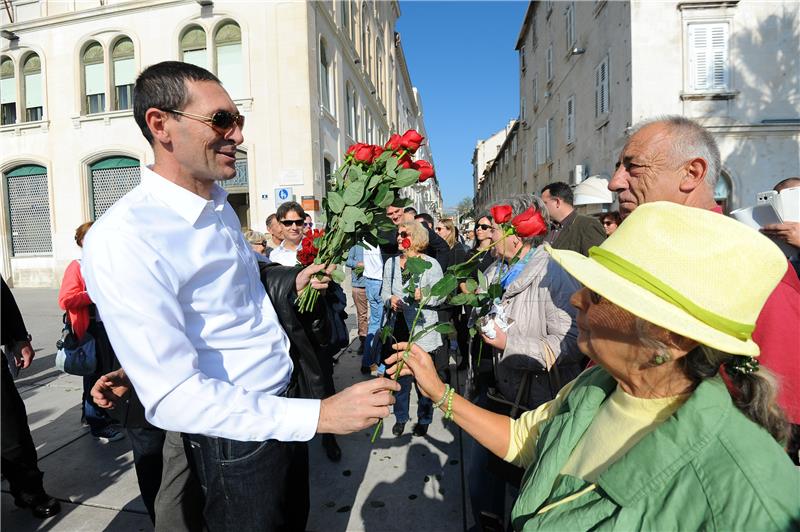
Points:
(441, 401)
(449, 413)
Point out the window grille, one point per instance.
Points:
(29, 211)
(110, 180)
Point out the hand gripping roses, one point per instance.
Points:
(354, 209)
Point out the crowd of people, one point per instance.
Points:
(621, 390)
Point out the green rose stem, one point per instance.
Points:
(402, 360)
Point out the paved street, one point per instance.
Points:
(407, 483)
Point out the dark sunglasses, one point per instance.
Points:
(289, 223)
(223, 120)
(403, 234)
(483, 226)
(607, 222)
(594, 297)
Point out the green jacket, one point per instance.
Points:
(706, 468)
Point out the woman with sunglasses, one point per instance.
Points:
(677, 427)
(412, 238)
(292, 217)
(610, 221)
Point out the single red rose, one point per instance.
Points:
(376, 152)
(529, 223)
(425, 170)
(393, 143)
(501, 213)
(405, 161)
(411, 140)
(405, 243)
(352, 149)
(363, 154)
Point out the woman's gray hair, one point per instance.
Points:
(521, 203)
(754, 393)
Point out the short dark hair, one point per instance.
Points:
(561, 191)
(290, 206)
(163, 86)
(270, 218)
(410, 209)
(425, 217)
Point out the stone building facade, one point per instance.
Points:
(310, 77)
(589, 71)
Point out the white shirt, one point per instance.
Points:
(373, 262)
(284, 256)
(188, 317)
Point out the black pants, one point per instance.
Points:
(147, 444)
(250, 486)
(18, 452)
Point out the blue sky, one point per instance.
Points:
(461, 57)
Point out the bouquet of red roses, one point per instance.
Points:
(354, 209)
(308, 250)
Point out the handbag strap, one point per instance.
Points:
(552, 369)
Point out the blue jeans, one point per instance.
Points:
(402, 399)
(371, 354)
(250, 486)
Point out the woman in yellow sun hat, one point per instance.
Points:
(676, 427)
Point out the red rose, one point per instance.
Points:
(529, 223)
(393, 143)
(376, 152)
(501, 213)
(411, 140)
(352, 149)
(405, 161)
(425, 170)
(405, 243)
(363, 154)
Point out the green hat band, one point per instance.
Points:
(641, 278)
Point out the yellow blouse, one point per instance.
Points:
(620, 423)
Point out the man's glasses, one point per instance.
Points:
(483, 226)
(594, 297)
(289, 223)
(608, 223)
(221, 120)
(403, 234)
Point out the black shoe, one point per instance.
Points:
(361, 340)
(420, 429)
(331, 447)
(398, 429)
(366, 370)
(42, 505)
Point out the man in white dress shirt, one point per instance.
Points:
(190, 321)
(292, 218)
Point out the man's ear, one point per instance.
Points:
(156, 121)
(694, 174)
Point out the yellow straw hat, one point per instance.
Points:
(691, 271)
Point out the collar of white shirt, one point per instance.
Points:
(184, 202)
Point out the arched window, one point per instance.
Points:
(325, 77)
(367, 51)
(228, 43)
(109, 180)
(94, 79)
(193, 46)
(32, 77)
(124, 70)
(8, 92)
(29, 211)
(352, 112)
(722, 192)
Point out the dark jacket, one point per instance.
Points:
(309, 334)
(581, 234)
(437, 247)
(13, 327)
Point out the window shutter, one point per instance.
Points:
(719, 56)
(549, 60)
(708, 56)
(571, 120)
(540, 145)
(601, 88)
(535, 90)
(604, 75)
(549, 140)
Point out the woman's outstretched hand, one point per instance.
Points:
(419, 364)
